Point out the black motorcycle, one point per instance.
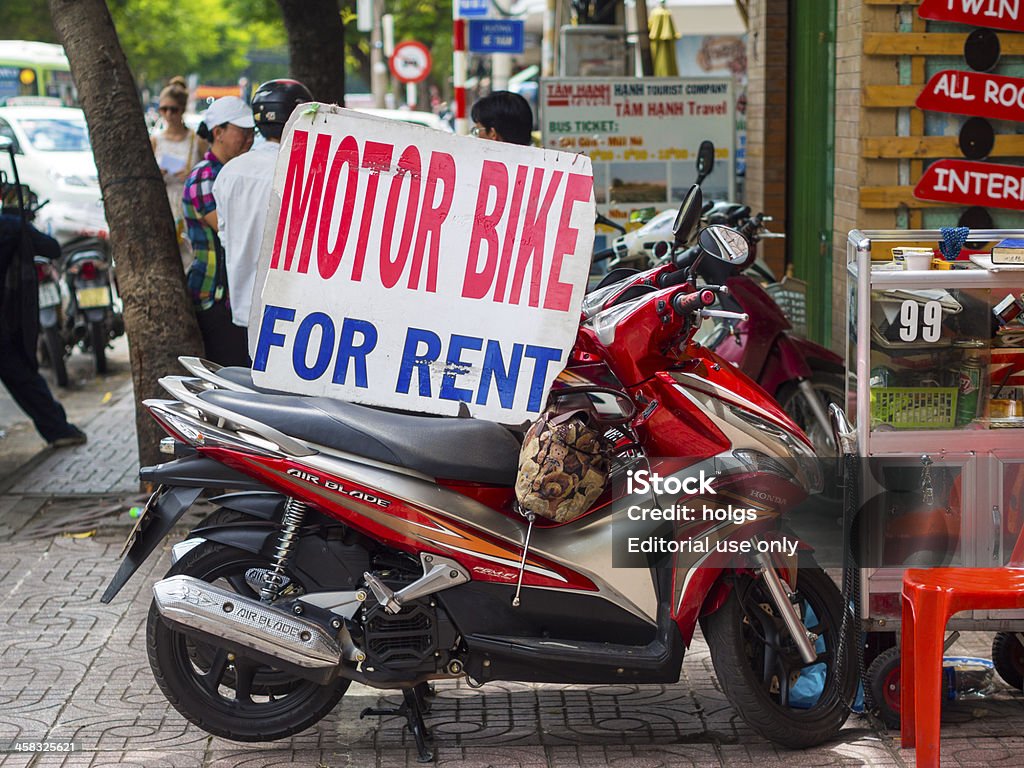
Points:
(92, 316)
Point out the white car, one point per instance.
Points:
(55, 160)
(428, 119)
(53, 153)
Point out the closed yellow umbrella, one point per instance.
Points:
(663, 42)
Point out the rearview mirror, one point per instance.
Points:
(689, 215)
(705, 160)
(726, 244)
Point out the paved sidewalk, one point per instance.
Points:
(106, 464)
(74, 669)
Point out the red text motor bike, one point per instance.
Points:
(387, 548)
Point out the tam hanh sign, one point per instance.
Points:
(643, 136)
(965, 182)
(974, 93)
(415, 269)
(994, 14)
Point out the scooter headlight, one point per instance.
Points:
(802, 471)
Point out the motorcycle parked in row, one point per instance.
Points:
(387, 548)
(804, 377)
(92, 314)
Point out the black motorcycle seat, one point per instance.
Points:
(236, 374)
(471, 450)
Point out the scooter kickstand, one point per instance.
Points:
(411, 709)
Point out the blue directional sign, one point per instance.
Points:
(496, 36)
(473, 8)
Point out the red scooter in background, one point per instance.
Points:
(803, 376)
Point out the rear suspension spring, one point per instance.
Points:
(294, 513)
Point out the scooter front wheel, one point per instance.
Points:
(783, 698)
(829, 388)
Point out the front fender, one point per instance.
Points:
(785, 362)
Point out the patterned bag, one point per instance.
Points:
(563, 464)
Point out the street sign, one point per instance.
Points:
(965, 182)
(473, 8)
(410, 63)
(496, 36)
(994, 14)
(960, 92)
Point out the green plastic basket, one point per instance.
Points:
(914, 407)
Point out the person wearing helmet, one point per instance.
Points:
(242, 191)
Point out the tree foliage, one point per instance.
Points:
(26, 20)
(212, 38)
(166, 37)
(162, 38)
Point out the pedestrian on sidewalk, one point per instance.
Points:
(19, 330)
(178, 150)
(242, 195)
(228, 126)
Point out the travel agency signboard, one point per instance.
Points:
(642, 136)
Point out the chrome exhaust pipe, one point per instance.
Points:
(229, 617)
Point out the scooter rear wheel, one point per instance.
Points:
(55, 351)
(231, 696)
(98, 341)
(761, 671)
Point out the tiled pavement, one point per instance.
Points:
(72, 668)
(107, 463)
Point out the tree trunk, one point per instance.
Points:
(316, 44)
(157, 310)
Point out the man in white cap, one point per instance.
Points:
(242, 192)
(228, 126)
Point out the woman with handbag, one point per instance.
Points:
(177, 149)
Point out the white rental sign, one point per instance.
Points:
(415, 269)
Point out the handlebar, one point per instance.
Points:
(685, 303)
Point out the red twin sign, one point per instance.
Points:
(994, 14)
(963, 182)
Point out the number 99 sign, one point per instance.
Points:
(925, 319)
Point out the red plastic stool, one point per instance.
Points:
(930, 597)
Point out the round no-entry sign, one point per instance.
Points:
(410, 63)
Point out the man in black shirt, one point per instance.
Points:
(19, 330)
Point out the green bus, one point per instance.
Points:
(30, 69)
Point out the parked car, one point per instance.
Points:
(55, 159)
(54, 155)
(428, 119)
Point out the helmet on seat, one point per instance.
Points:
(273, 103)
